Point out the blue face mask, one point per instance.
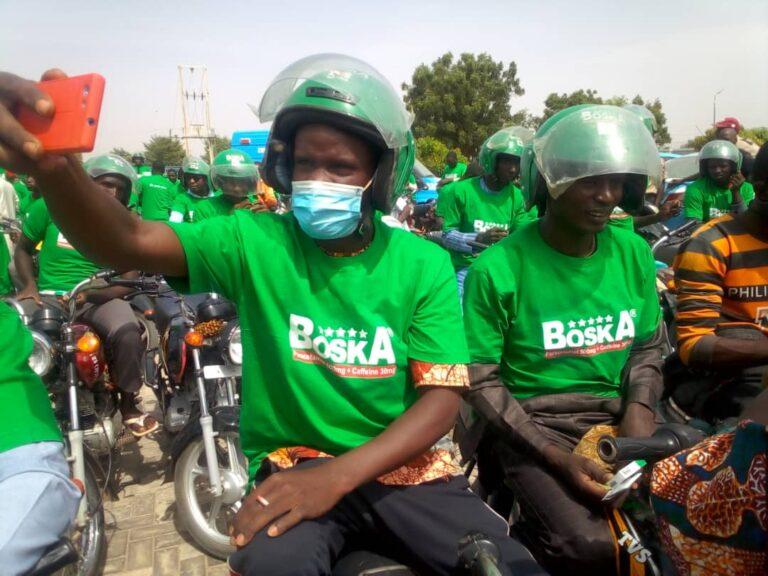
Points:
(326, 210)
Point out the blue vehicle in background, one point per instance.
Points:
(252, 142)
(427, 182)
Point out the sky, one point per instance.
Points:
(680, 51)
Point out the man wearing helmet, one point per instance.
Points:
(353, 349)
(197, 190)
(721, 188)
(234, 173)
(483, 210)
(61, 267)
(728, 129)
(140, 166)
(564, 332)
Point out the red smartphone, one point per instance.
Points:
(72, 128)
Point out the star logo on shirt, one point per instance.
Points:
(328, 332)
(591, 321)
(351, 332)
(571, 324)
(341, 332)
(363, 334)
(582, 323)
(609, 319)
(599, 319)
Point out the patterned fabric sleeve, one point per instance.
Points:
(439, 375)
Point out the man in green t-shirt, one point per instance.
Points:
(481, 211)
(140, 165)
(38, 502)
(234, 173)
(156, 194)
(453, 169)
(173, 177)
(564, 333)
(353, 346)
(721, 188)
(62, 267)
(197, 190)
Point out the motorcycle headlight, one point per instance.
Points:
(41, 359)
(235, 346)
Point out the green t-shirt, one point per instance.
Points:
(558, 324)
(25, 411)
(216, 206)
(143, 171)
(185, 206)
(6, 284)
(622, 219)
(25, 210)
(468, 206)
(61, 266)
(457, 171)
(156, 196)
(337, 332)
(704, 200)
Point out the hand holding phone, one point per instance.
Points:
(73, 126)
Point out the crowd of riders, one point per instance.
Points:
(529, 325)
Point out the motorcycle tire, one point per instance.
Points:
(191, 516)
(92, 543)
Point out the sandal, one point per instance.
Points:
(142, 425)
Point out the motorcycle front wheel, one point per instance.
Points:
(205, 516)
(90, 541)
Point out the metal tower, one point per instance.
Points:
(195, 106)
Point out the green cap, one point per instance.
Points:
(110, 164)
(592, 140)
(719, 150)
(510, 141)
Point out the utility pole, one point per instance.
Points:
(195, 106)
(714, 106)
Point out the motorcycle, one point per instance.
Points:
(197, 384)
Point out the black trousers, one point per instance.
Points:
(565, 533)
(417, 525)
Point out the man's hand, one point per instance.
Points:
(638, 421)
(29, 293)
(492, 236)
(735, 185)
(581, 473)
(19, 150)
(285, 499)
(669, 209)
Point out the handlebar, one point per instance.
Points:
(679, 231)
(479, 555)
(667, 440)
(141, 284)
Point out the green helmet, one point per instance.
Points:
(347, 94)
(719, 150)
(195, 165)
(233, 164)
(510, 141)
(115, 166)
(590, 140)
(645, 115)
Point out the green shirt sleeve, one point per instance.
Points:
(37, 222)
(485, 317)
(693, 202)
(520, 215)
(747, 193)
(650, 316)
(448, 207)
(436, 333)
(214, 257)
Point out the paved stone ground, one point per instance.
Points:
(143, 537)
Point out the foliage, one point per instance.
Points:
(164, 149)
(462, 102)
(431, 152)
(218, 144)
(122, 152)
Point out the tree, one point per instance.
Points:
(217, 144)
(122, 152)
(556, 102)
(431, 152)
(461, 103)
(164, 149)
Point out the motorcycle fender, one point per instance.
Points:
(225, 419)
